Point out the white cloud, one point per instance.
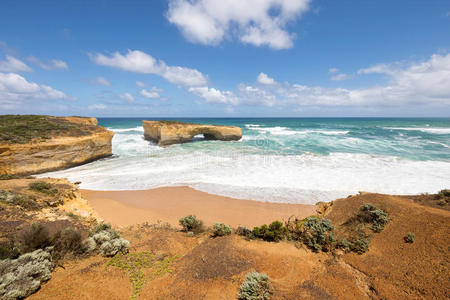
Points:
(333, 70)
(140, 62)
(14, 89)
(100, 81)
(213, 95)
(340, 76)
(59, 64)
(420, 83)
(127, 97)
(154, 93)
(54, 64)
(140, 84)
(12, 64)
(97, 107)
(256, 22)
(264, 79)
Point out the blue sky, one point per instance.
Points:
(225, 58)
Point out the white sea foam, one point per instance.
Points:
(434, 130)
(278, 130)
(137, 128)
(305, 178)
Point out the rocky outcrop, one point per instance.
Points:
(171, 132)
(58, 152)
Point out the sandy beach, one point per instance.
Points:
(169, 204)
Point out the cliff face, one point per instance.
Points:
(85, 142)
(167, 133)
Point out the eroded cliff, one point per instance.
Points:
(166, 133)
(36, 144)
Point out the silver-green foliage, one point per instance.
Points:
(107, 241)
(221, 229)
(256, 286)
(21, 277)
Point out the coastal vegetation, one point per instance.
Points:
(410, 237)
(191, 224)
(256, 286)
(43, 187)
(221, 229)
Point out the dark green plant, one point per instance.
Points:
(360, 245)
(344, 245)
(221, 229)
(443, 194)
(371, 214)
(191, 223)
(318, 233)
(273, 233)
(256, 286)
(43, 187)
(410, 237)
(8, 250)
(244, 231)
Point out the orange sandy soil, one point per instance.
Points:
(169, 204)
(214, 268)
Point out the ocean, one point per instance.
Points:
(292, 160)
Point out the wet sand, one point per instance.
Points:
(169, 204)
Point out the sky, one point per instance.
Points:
(225, 58)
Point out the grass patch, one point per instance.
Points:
(21, 129)
(9, 176)
(136, 263)
(43, 187)
(19, 200)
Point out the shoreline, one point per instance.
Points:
(169, 204)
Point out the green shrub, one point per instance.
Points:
(318, 233)
(360, 245)
(244, 231)
(35, 237)
(221, 229)
(191, 223)
(273, 233)
(8, 250)
(256, 286)
(19, 200)
(43, 187)
(410, 237)
(371, 214)
(344, 245)
(443, 194)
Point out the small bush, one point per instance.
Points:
(318, 233)
(36, 237)
(65, 241)
(43, 187)
(244, 231)
(221, 229)
(107, 240)
(273, 233)
(344, 245)
(371, 214)
(443, 194)
(360, 245)
(191, 223)
(8, 250)
(256, 286)
(410, 237)
(19, 200)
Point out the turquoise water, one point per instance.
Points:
(282, 160)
